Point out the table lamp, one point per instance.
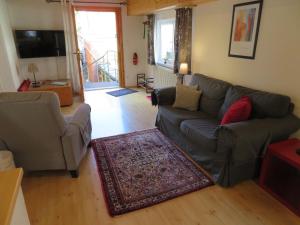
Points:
(32, 68)
(183, 70)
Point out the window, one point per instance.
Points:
(165, 29)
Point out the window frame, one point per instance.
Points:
(159, 57)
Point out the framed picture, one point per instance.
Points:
(244, 29)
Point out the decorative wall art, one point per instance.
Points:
(244, 29)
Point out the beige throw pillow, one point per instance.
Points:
(187, 97)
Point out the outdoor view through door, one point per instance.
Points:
(98, 47)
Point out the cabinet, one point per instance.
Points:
(280, 175)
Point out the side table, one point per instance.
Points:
(280, 175)
(64, 92)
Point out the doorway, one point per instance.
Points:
(99, 42)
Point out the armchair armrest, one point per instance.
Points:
(163, 96)
(82, 121)
(77, 136)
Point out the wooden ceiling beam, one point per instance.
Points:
(142, 7)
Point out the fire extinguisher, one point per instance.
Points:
(135, 59)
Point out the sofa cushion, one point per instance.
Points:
(213, 93)
(176, 116)
(201, 132)
(187, 97)
(238, 111)
(264, 104)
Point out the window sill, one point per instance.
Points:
(168, 67)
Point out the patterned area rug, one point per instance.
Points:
(121, 92)
(144, 168)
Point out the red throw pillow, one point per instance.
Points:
(240, 110)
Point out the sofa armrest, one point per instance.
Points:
(240, 146)
(164, 96)
(279, 128)
(250, 138)
(2, 145)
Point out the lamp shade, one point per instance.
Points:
(32, 68)
(184, 68)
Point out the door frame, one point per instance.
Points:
(118, 14)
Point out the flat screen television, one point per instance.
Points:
(40, 43)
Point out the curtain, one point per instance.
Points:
(150, 43)
(70, 40)
(183, 38)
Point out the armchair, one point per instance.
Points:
(39, 136)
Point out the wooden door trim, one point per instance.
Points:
(118, 13)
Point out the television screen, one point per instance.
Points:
(40, 43)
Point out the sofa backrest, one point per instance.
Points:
(265, 104)
(213, 93)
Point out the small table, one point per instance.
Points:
(280, 174)
(64, 92)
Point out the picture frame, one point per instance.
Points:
(244, 29)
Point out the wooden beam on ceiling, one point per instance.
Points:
(142, 7)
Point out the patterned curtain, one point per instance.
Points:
(150, 44)
(183, 37)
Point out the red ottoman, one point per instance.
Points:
(280, 175)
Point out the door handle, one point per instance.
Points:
(77, 53)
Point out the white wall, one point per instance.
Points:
(133, 41)
(276, 67)
(9, 79)
(38, 14)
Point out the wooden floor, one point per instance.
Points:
(57, 199)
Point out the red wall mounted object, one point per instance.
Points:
(135, 59)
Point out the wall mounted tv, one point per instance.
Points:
(40, 43)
